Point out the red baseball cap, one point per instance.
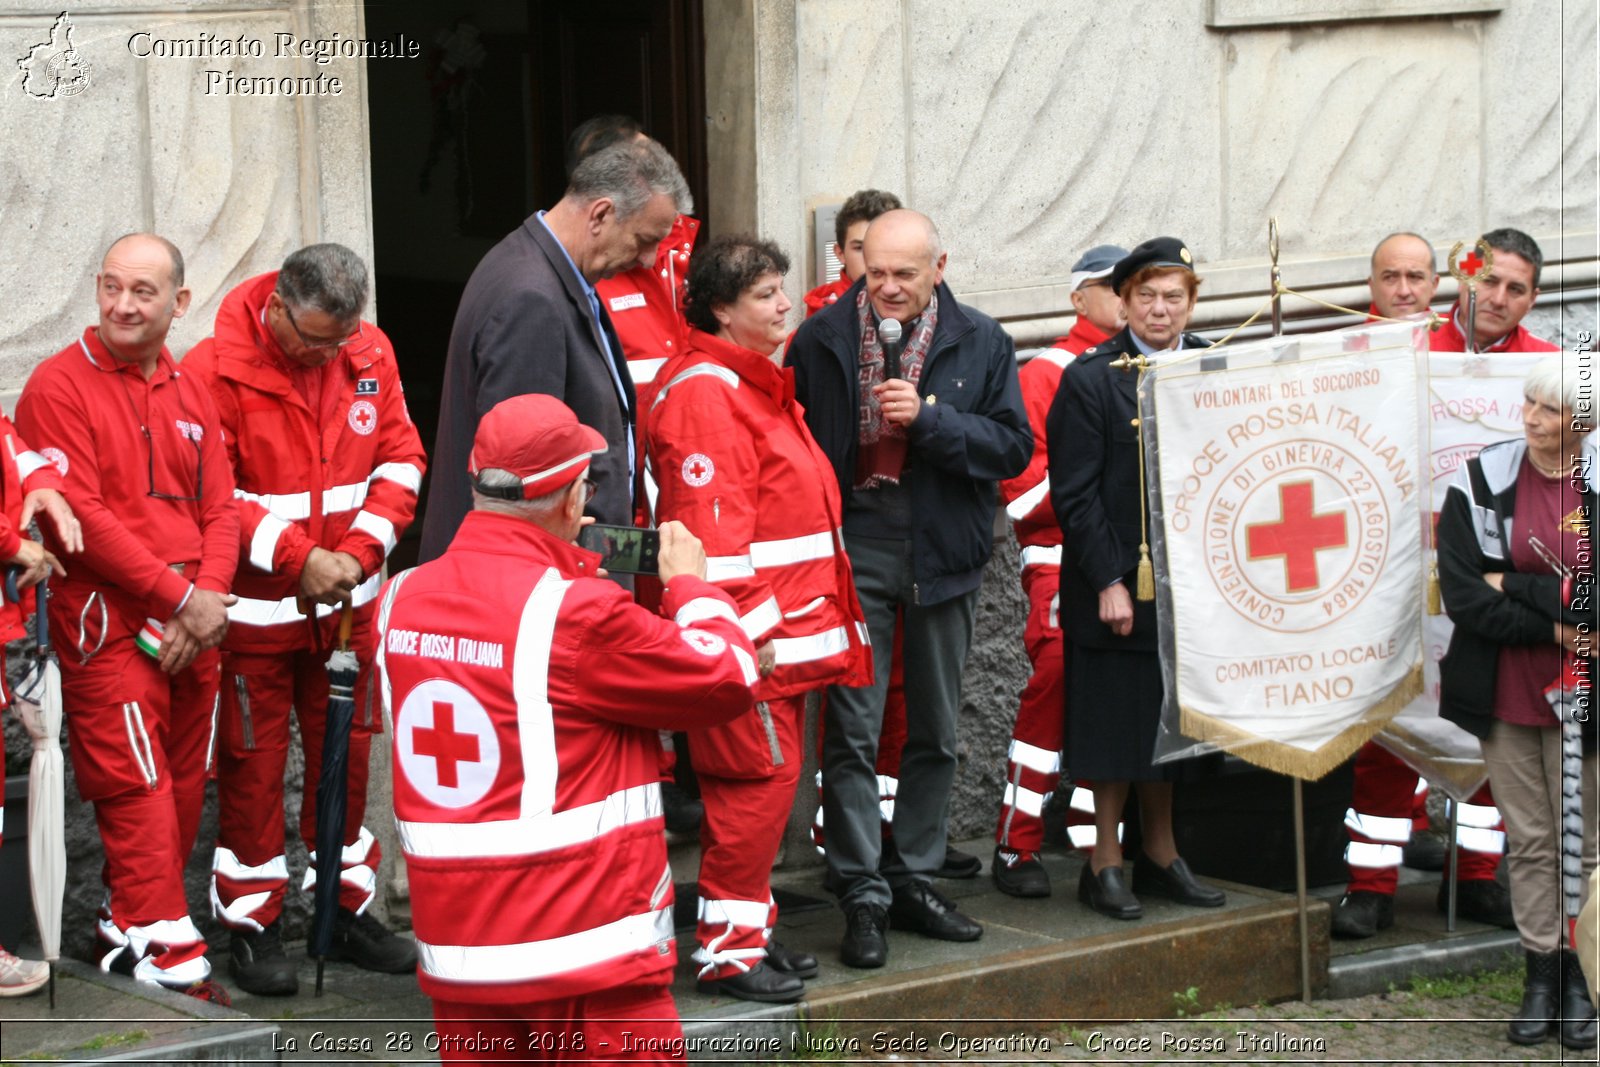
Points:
(537, 438)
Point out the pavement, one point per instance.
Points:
(1043, 969)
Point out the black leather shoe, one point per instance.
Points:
(864, 944)
(788, 961)
(1424, 851)
(367, 943)
(1362, 914)
(1108, 893)
(1577, 1010)
(1538, 1011)
(920, 907)
(958, 864)
(257, 962)
(1019, 874)
(1483, 900)
(1176, 881)
(760, 983)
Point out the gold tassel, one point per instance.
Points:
(1435, 599)
(1145, 585)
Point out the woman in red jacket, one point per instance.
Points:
(736, 464)
(29, 485)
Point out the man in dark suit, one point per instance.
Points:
(1114, 688)
(530, 322)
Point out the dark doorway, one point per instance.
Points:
(469, 140)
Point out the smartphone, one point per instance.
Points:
(625, 549)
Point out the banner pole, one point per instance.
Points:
(1300, 888)
(1454, 813)
(1277, 278)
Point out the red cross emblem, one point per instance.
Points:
(1472, 263)
(363, 417)
(445, 744)
(1297, 536)
(698, 469)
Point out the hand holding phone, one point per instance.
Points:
(624, 549)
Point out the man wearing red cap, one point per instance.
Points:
(524, 696)
(139, 447)
(328, 465)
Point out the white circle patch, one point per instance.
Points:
(363, 417)
(56, 456)
(707, 644)
(447, 744)
(698, 469)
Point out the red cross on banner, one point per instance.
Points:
(444, 744)
(1297, 536)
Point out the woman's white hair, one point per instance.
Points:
(1565, 380)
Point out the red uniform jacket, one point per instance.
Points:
(736, 464)
(646, 305)
(1027, 496)
(146, 469)
(344, 478)
(524, 699)
(21, 472)
(826, 294)
(1448, 338)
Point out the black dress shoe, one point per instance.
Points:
(759, 983)
(787, 960)
(1483, 900)
(958, 864)
(1577, 1010)
(1175, 881)
(1019, 874)
(864, 944)
(1108, 893)
(920, 907)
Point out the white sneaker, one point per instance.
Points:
(19, 977)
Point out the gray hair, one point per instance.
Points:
(629, 173)
(329, 278)
(531, 510)
(1565, 380)
(1517, 243)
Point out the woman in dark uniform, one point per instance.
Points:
(1114, 687)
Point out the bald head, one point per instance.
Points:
(140, 291)
(1403, 279)
(904, 262)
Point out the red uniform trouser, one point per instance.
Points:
(249, 872)
(637, 1023)
(1382, 814)
(739, 840)
(1033, 762)
(140, 741)
(891, 741)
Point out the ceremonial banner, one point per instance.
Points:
(1286, 491)
(1472, 401)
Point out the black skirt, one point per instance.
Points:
(1113, 710)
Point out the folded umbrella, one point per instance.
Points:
(40, 710)
(331, 791)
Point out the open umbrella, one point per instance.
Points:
(331, 789)
(40, 709)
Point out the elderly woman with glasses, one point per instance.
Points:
(1517, 516)
(736, 464)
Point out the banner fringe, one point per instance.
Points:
(1297, 762)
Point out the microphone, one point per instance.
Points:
(890, 333)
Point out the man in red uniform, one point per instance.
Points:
(327, 463)
(1033, 762)
(1386, 804)
(140, 450)
(524, 696)
(29, 485)
(849, 233)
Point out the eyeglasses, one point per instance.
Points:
(309, 343)
(150, 467)
(589, 489)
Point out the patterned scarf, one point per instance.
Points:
(882, 453)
